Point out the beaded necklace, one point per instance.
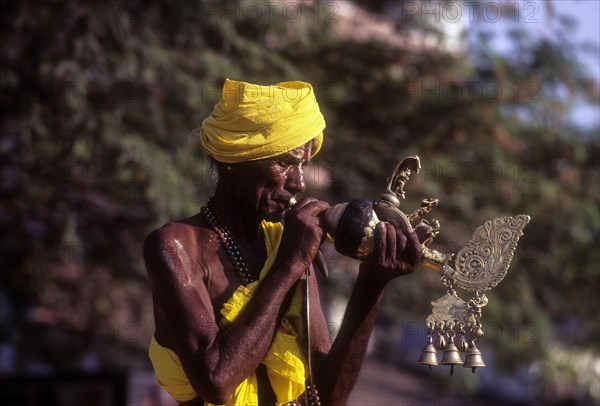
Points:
(224, 235)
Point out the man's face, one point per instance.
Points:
(268, 185)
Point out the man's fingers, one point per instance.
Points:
(390, 242)
(311, 206)
(303, 202)
(380, 241)
(401, 242)
(316, 207)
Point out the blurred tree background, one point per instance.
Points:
(101, 103)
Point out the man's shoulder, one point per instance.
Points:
(188, 233)
(176, 248)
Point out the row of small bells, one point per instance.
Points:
(451, 354)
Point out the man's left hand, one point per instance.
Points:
(397, 252)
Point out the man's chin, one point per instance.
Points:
(273, 212)
(274, 217)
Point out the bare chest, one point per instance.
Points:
(222, 274)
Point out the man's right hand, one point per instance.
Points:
(302, 235)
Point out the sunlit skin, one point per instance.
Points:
(192, 277)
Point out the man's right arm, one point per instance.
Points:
(214, 359)
(217, 359)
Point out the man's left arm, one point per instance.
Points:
(397, 253)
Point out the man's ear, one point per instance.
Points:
(225, 169)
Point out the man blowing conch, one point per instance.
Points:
(228, 283)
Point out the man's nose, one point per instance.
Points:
(295, 180)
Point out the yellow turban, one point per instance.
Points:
(255, 122)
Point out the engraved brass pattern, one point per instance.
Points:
(483, 263)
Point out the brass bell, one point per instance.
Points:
(473, 359)
(428, 356)
(451, 357)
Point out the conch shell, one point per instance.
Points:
(351, 225)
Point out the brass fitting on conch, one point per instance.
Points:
(395, 190)
(434, 259)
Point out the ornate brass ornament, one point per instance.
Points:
(454, 324)
(480, 266)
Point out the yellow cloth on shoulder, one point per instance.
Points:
(253, 122)
(285, 359)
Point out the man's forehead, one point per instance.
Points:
(299, 153)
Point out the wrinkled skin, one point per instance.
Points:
(192, 276)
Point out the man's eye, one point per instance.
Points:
(288, 164)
